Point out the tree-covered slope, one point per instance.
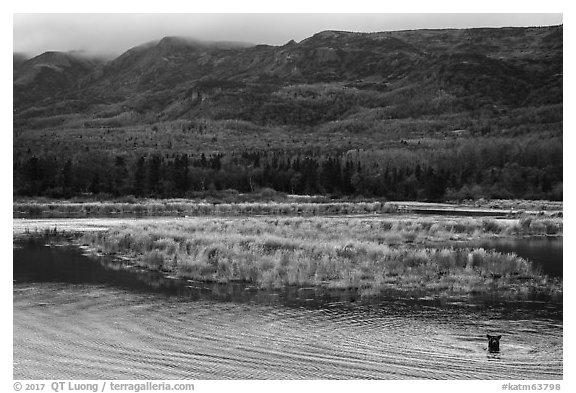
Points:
(422, 114)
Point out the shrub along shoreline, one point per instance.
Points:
(368, 254)
(285, 206)
(180, 208)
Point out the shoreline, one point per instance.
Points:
(353, 293)
(334, 290)
(483, 227)
(35, 209)
(515, 292)
(372, 255)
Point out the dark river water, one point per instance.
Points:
(545, 252)
(77, 317)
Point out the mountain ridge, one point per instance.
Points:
(417, 115)
(503, 65)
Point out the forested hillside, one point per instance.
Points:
(419, 115)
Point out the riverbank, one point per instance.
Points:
(286, 206)
(185, 208)
(393, 228)
(372, 255)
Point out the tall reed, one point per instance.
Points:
(369, 254)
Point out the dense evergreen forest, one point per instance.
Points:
(428, 115)
(474, 168)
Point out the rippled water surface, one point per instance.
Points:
(79, 318)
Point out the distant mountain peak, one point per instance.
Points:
(161, 75)
(54, 57)
(333, 33)
(329, 35)
(177, 42)
(68, 65)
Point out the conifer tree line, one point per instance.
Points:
(485, 167)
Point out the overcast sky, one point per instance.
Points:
(112, 34)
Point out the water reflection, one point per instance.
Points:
(545, 252)
(69, 264)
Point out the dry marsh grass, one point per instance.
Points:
(372, 255)
(182, 207)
